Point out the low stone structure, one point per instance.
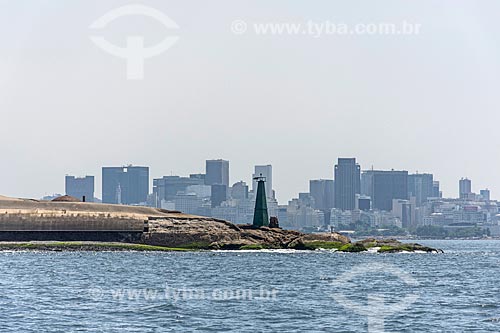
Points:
(26, 220)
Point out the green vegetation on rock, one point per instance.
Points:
(399, 248)
(85, 246)
(356, 247)
(197, 246)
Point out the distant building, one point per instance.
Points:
(267, 172)
(282, 215)
(188, 203)
(218, 194)
(436, 192)
(364, 203)
(128, 185)
(217, 172)
(80, 187)
(347, 183)
(485, 194)
(340, 218)
(301, 215)
(465, 188)
(203, 191)
(168, 187)
(385, 186)
(239, 191)
(421, 186)
(405, 211)
(322, 192)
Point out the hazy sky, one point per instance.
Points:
(426, 102)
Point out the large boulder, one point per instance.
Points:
(210, 233)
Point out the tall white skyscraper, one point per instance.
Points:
(264, 171)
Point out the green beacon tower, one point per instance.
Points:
(260, 216)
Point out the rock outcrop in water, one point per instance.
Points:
(218, 234)
(393, 246)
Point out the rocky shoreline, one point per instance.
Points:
(77, 226)
(222, 235)
(369, 245)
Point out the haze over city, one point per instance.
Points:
(423, 102)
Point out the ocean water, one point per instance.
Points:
(263, 291)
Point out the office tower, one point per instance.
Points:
(80, 188)
(485, 194)
(465, 188)
(436, 192)
(347, 183)
(421, 186)
(265, 171)
(128, 185)
(239, 191)
(167, 187)
(404, 210)
(384, 186)
(218, 194)
(366, 185)
(321, 191)
(217, 172)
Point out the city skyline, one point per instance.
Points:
(362, 191)
(285, 189)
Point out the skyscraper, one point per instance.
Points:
(218, 194)
(485, 194)
(322, 192)
(347, 183)
(465, 188)
(126, 185)
(436, 193)
(384, 186)
(217, 172)
(80, 187)
(421, 186)
(267, 172)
